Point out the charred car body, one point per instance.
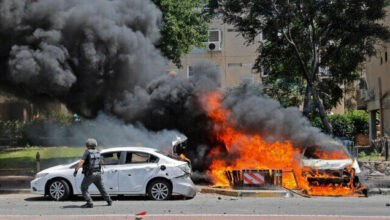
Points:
(323, 166)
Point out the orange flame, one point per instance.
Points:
(240, 150)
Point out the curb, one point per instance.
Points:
(14, 191)
(247, 193)
(378, 191)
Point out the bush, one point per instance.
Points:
(348, 125)
(342, 126)
(61, 118)
(11, 131)
(18, 133)
(360, 121)
(362, 154)
(316, 122)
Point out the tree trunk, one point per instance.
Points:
(307, 101)
(321, 109)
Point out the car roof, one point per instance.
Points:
(141, 149)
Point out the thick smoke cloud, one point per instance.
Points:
(99, 56)
(85, 53)
(256, 113)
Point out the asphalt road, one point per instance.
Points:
(30, 204)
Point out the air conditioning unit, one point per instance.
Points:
(214, 42)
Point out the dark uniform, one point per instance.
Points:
(92, 176)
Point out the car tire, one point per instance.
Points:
(159, 190)
(58, 190)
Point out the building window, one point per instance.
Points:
(264, 71)
(232, 30)
(386, 56)
(381, 60)
(189, 71)
(247, 65)
(234, 65)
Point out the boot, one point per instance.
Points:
(87, 205)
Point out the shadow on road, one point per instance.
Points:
(79, 207)
(99, 198)
(71, 206)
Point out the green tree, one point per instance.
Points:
(184, 25)
(287, 90)
(313, 36)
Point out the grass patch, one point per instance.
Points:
(16, 158)
(371, 156)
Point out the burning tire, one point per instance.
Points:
(160, 190)
(58, 190)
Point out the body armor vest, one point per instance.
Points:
(92, 164)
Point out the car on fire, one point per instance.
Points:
(125, 171)
(330, 163)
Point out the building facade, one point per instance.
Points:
(376, 88)
(226, 49)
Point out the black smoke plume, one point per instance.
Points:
(256, 113)
(85, 53)
(99, 56)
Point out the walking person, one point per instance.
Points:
(91, 164)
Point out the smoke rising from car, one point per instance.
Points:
(100, 56)
(256, 113)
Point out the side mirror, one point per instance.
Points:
(162, 167)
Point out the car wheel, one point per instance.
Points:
(59, 190)
(160, 190)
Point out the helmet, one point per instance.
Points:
(91, 142)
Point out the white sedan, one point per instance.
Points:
(126, 171)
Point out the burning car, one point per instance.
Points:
(325, 169)
(243, 159)
(126, 170)
(330, 169)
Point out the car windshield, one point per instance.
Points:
(326, 152)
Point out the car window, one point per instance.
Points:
(111, 158)
(139, 157)
(153, 159)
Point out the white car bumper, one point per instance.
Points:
(37, 186)
(183, 186)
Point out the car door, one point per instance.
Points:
(137, 169)
(110, 163)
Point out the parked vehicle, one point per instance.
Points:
(125, 171)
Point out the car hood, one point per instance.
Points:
(330, 164)
(55, 168)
